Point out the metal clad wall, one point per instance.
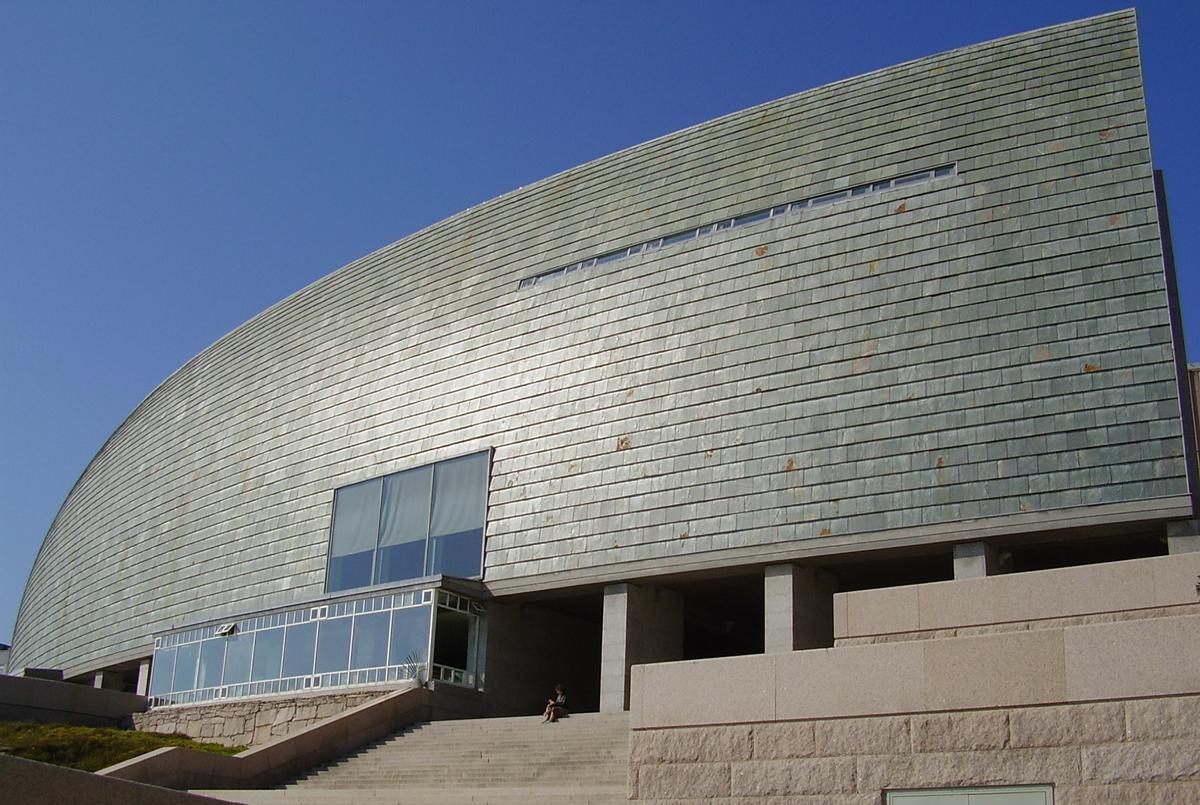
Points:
(984, 346)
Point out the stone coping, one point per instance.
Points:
(1130, 585)
(1125, 659)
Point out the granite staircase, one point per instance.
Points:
(507, 761)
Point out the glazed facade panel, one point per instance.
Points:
(987, 345)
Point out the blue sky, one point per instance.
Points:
(168, 170)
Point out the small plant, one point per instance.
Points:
(414, 668)
(90, 748)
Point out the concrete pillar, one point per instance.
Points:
(1183, 536)
(641, 625)
(975, 559)
(143, 683)
(107, 679)
(798, 608)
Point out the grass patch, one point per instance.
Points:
(89, 748)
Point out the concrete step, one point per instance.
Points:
(546, 795)
(518, 760)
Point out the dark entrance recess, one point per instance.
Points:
(453, 638)
(722, 617)
(535, 644)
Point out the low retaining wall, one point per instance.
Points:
(30, 783)
(1133, 751)
(1069, 596)
(29, 699)
(1106, 711)
(284, 757)
(251, 722)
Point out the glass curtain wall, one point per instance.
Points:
(377, 639)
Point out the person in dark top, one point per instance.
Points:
(556, 707)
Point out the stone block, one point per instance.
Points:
(1148, 761)
(1151, 719)
(758, 778)
(262, 734)
(1013, 668)
(1067, 725)
(985, 767)
(327, 709)
(1138, 658)
(862, 736)
(959, 731)
(306, 712)
(1180, 793)
(882, 611)
(684, 781)
(284, 714)
(741, 689)
(853, 680)
(264, 716)
(700, 744)
(783, 739)
(233, 726)
(1175, 578)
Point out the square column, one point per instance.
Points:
(797, 608)
(975, 559)
(641, 625)
(143, 683)
(107, 679)
(1183, 536)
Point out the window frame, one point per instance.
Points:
(488, 453)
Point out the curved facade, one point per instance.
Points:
(951, 324)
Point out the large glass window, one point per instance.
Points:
(369, 648)
(299, 646)
(238, 651)
(212, 659)
(162, 672)
(355, 531)
(456, 525)
(404, 525)
(185, 666)
(410, 636)
(333, 645)
(268, 653)
(420, 522)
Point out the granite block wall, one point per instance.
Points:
(249, 722)
(1132, 751)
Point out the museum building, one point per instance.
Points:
(674, 404)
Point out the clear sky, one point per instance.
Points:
(170, 169)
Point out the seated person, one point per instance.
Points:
(556, 708)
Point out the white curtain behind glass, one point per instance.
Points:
(459, 490)
(406, 507)
(356, 518)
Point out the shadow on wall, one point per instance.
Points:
(49, 702)
(533, 647)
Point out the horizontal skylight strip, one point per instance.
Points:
(746, 219)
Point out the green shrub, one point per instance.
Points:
(89, 748)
